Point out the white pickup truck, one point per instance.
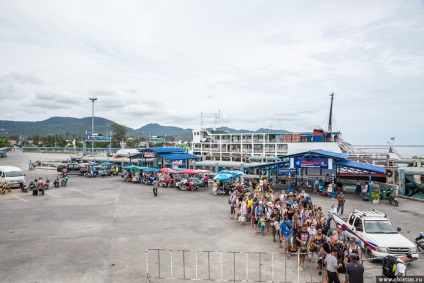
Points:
(378, 236)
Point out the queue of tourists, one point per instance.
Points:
(297, 225)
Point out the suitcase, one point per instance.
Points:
(34, 192)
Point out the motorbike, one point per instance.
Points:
(392, 199)
(420, 242)
(135, 178)
(127, 177)
(24, 188)
(167, 182)
(187, 186)
(64, 181)
(148, 180)
(56, 182)
(47, 184)
(224, 189)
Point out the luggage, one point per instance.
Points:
(389, 266)
(34, 192)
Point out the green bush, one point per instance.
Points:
(375, 195)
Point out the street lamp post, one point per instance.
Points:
(92, 124)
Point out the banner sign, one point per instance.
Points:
(311, 163)
(150, 154)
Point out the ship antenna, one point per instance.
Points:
(201, 120)
(217, 116)
(330, 120)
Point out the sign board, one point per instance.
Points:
(156, 139)
(150, 154)
(311, 163)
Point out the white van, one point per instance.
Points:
(13, 175)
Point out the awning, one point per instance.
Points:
(316, 153)
(162, 150)
(360, 166)
(178, 156)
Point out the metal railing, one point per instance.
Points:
(226, 266)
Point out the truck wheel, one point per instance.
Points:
(369, 254)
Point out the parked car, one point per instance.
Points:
(378, 236)
(73, 168)
(3, 153)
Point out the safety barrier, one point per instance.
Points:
(226, 266)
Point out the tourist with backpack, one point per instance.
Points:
(395, 267)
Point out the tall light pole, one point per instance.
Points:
(92, 124)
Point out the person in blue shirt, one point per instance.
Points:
(285, 233)
(259, 210)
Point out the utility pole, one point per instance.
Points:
(92, 124)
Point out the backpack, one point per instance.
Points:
(389, 266)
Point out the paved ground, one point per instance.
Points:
(98, 230)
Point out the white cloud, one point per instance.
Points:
(261, 63)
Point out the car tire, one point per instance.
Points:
(369, 254)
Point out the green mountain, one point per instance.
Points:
(58, 125)
(74, 127)
(158, 130)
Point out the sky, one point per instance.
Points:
(258, 64)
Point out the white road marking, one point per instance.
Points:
(20, 198)
(79, 191)
(53, 195)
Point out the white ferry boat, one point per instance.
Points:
(244, 147)
(212, 144)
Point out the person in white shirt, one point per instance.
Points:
(401, 266)
(333, 211)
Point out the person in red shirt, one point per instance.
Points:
(206, 181)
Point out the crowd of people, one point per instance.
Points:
(300, 226)
(304, 228)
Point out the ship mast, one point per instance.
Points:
(330, 120)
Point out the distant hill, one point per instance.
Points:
(58, 125)
(158, 130)
(78, 126)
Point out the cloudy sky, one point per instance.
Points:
(261, 63)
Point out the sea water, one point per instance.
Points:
(406, 151)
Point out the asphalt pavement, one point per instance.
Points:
(98, 230)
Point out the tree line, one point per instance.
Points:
(118, 133)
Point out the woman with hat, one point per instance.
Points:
(243, 210)
(268, 212)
